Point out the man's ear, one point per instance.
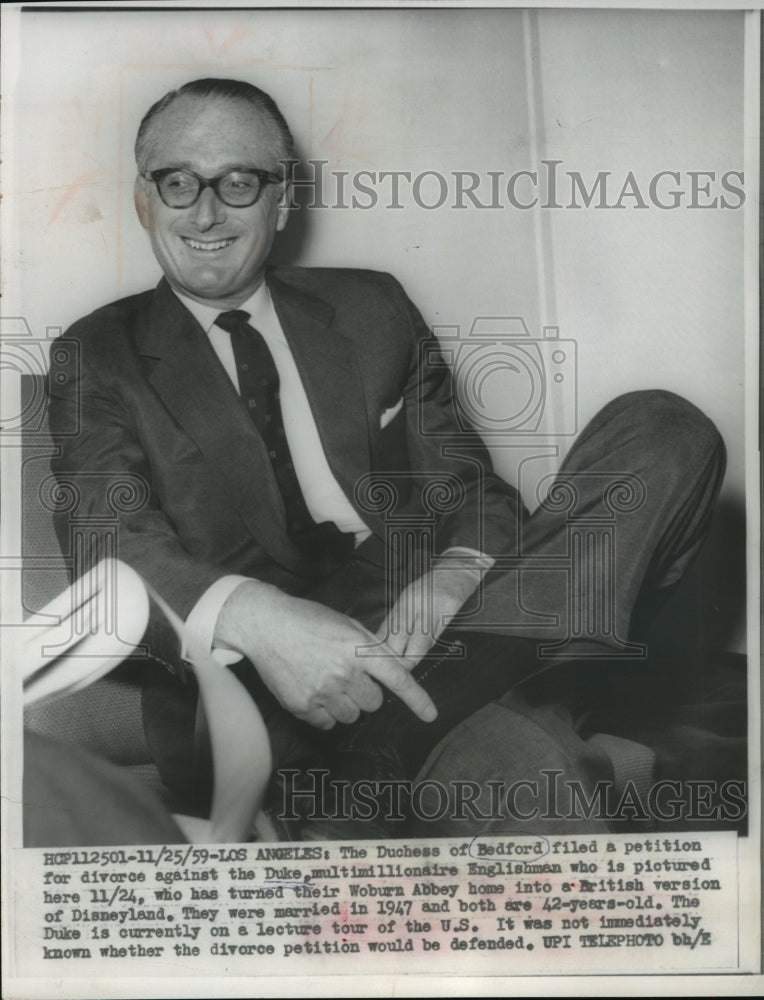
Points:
(283, 210)
(141, 200)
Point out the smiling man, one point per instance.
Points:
(251, 404)
(266, 437)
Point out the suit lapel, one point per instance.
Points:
(195, 388)
(326, 361)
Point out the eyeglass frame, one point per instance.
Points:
(265, 177)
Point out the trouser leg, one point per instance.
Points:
(623, 519)
(458, 685)
(512, 768)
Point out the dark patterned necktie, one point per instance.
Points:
(259, 390)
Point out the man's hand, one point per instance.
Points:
(425, 608)
(306, 654)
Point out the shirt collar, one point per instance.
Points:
(206, 315)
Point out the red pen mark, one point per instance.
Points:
(338, 141)
(71, 189)
(221, 48)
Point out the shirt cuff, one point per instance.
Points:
(203, 618)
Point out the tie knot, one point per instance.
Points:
(234, 321)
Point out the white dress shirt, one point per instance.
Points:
(323, 495)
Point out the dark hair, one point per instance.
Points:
(235, 90)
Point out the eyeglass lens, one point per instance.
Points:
(180, 189)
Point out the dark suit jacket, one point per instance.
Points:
(153, 436)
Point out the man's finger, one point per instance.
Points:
(317, 717)
(394, 641)
(342, 708)
(393, 625)
(394, 675)
(365, 693)
(416, 648)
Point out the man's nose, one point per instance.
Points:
(208, 210)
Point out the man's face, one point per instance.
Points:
(210, 251)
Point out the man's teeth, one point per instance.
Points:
(217, 245)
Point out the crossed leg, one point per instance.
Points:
(621, 522)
